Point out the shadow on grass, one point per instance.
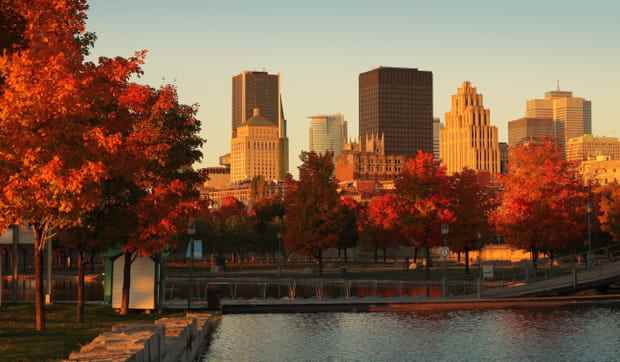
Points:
(20, 342)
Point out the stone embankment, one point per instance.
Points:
(166, 340)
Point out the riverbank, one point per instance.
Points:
(405, 304)
(20, 342)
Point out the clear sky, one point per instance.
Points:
(511, 50)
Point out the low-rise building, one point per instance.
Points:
(368, 161)
(601, 170)
(589, 147)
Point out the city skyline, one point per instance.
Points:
(516, 57)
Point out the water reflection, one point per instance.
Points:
(583, 334)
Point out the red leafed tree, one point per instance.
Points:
(380, 223)
(311, 205)
(423, 206)
(51, 145)
(543, 201)
(349, 224)
(471, 202)
(609, 216)
(158, 182)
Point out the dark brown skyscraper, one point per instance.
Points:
(398, 103)
(252, 90)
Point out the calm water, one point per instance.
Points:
(585, 334)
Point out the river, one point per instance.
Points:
(567, 334)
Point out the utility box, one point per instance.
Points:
(143, 287)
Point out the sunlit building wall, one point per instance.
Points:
(327, 133)
(468, 140)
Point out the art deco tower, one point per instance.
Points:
(468, 140)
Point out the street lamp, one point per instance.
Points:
(445, 230)
(589, 216)
(191, 231)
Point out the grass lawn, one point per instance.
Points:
(20, 342)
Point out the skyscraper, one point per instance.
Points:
(327, 133)
(572, 114)
(252, 89)
(397, 104)
(256, 151)
(437, 126)
(260, 90)
(468, 140)
(529, 129)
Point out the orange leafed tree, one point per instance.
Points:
(51, 146)
(380, 223)
(423, 189)
(609, 216)
(543, 201)
(471, 202)
(311, 206)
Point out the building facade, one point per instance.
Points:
(468, 140)
(368, 161)
(527, 129)
(397, 103)
(601, 170)
(260, 90)
(573, 115)
(437, 126)
(588, 147)
(256, 151)
(504, 150)
(327, 133)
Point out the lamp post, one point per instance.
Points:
(445, 230)
(191, 231)
(589, 217)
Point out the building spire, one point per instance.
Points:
(558, 85)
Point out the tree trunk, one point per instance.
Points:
(126, 283)
(458, 257)
(376, 254)
(384, 255)
(79, 312)
(429, 258)
(415, 255)
(466, 260)
(345, 256)
(320, 262)
(39, 309)
(535, 258)
(15, 261)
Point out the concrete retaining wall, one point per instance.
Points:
(166, 340)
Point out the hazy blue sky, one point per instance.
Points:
(510, 50)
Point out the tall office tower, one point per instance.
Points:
(588, 147)
(527, 129)
(397, 103)
(572, 114)
(256, 150)
(327, 133)
(260, 90)
(468, 140)
(250, 90)
(437, 126)
(504, 150)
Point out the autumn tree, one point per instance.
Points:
(268, 215)
(380, 224)
(423, 204)
(471, 202)
(51, 143)
(157, 176)
(349, 225)
(311, 205)
(609, 217)
(543, 201)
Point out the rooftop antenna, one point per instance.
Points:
(558, 82)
